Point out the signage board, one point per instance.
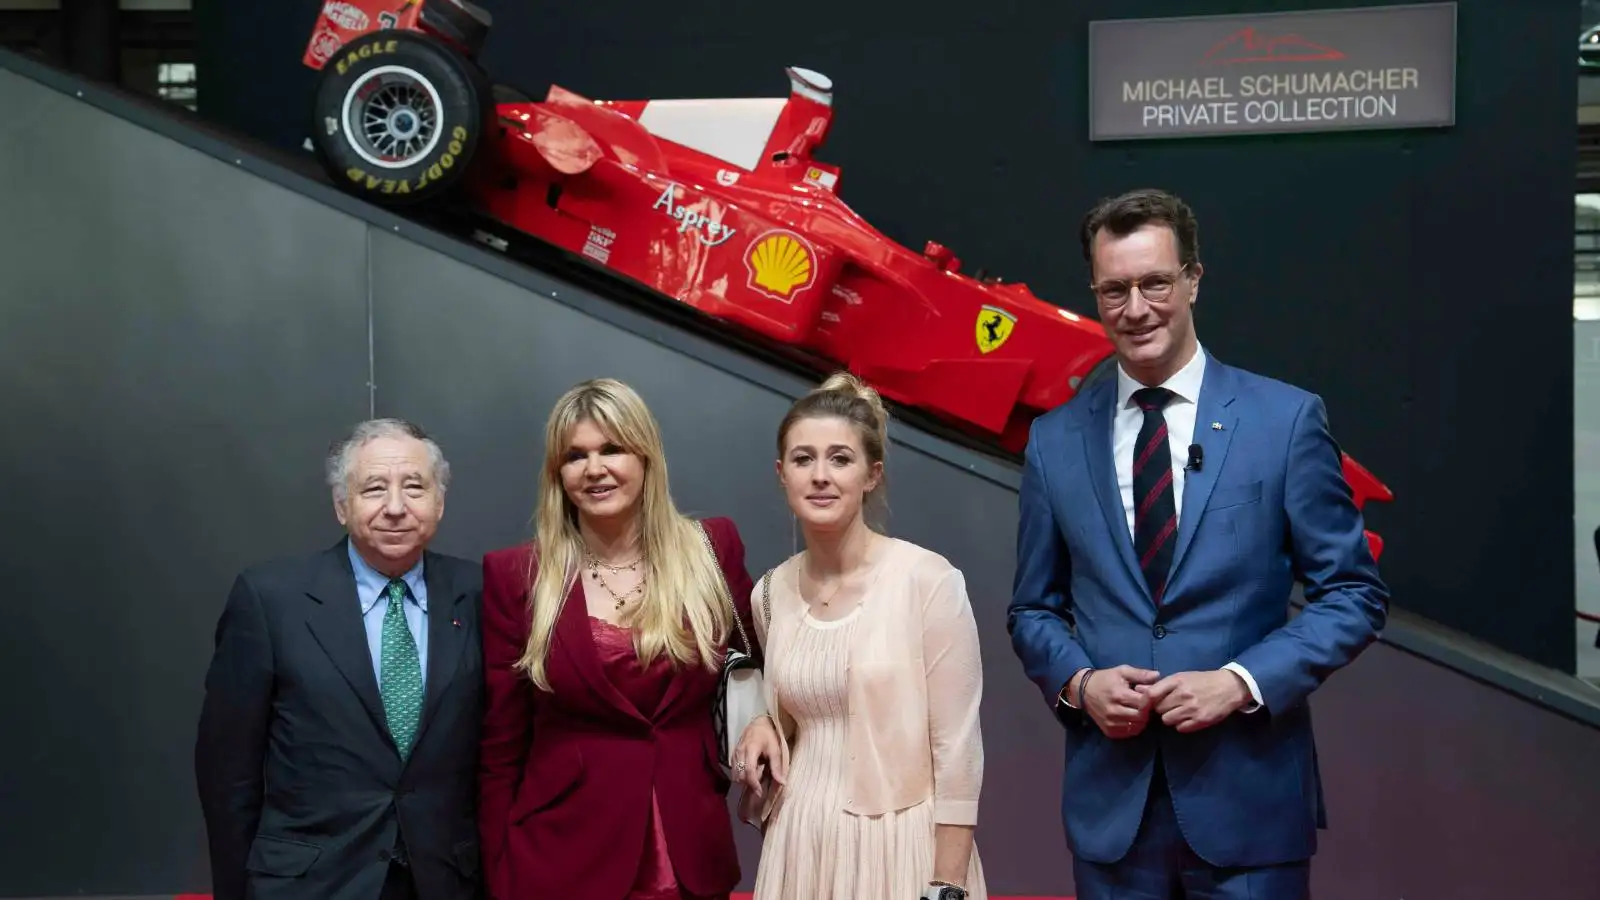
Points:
(1323, 70)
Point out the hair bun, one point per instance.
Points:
(847, 383)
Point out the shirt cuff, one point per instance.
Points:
(1249, 682)
(955, 812)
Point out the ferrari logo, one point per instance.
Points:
(994, 328)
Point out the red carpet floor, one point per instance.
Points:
(735, 897)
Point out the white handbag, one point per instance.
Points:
(741, 692)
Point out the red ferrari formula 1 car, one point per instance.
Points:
(716, 204)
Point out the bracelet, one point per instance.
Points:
(1083, 685)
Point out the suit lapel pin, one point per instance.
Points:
(1216, 426)
(455, 623)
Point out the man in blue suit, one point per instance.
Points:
(1165, 515)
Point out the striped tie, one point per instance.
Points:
(1155, 518)
(402, 671)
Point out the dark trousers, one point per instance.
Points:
(1161, 866)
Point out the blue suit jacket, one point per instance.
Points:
(1269, 506)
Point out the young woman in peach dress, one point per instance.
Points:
(869, 763)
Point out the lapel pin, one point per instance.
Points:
(456, 622)
(1216, 426)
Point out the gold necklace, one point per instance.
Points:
(837, 586)
(625, 567)
(594, 572)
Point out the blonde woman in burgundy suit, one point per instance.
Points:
(599, 773)
(873, 744)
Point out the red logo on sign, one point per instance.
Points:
(1248, 46)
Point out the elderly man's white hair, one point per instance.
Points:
(343, 453)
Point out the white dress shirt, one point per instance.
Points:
(1180, 413)
(370, 586)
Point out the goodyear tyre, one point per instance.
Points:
(399, 117)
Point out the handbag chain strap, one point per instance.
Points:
(706, 536)
(766, 599)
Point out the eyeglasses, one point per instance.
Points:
(1155, 287)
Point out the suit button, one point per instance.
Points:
(1161, 632)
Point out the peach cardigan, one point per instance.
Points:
(914, 730)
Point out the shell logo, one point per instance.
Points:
(781, 264)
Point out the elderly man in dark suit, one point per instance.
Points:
(339, 733)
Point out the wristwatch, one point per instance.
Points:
(940, 890)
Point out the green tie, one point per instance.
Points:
(402, 672)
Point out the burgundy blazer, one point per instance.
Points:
(565, 777)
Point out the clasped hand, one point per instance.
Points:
(757, 753)
(1121, 699)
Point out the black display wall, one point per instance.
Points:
(1418, 280)
(182, 329)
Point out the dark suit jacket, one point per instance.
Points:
(303, 790)
(1269, 506)
(567, 775)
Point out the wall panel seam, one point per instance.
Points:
(372, 362)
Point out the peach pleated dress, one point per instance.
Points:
(813, 848)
